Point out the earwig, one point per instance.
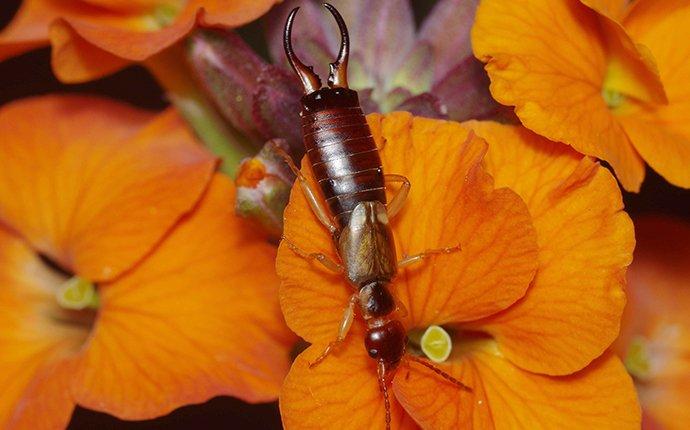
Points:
(346, 164)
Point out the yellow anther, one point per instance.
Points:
(436, 344)
(637, 359)
(77, 294)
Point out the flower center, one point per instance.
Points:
(77, 294)
(161, 16)
(613, 98)
(165, 14)
(436, 344)
(70, 301)
(442, 344)
(638, 360)
(251, 173)
(628, 76)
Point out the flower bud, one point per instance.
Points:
(263, 187)
(227, 69)
(259, 99)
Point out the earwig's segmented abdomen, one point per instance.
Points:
(344, 158)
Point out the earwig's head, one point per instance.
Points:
(311, 82)
(386, 343)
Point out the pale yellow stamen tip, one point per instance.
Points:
(164, 15)
(77, 294)
(436, 344)
(637, 359)
(612, 98)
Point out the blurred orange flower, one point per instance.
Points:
(128, 285)
(608, 77)
(532, 301)
(92, 38)
(655, 335)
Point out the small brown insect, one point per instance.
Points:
(346, 164)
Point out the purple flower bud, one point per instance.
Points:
(276, 107)
(227, 69)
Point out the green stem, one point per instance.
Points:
(171, 71)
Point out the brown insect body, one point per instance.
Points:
(341, 150)
(345, 162)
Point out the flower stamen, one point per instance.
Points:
(164, 15)
(77, 294)
(436, 344)
(637, 360)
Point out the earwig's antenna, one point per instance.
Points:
(338, 70)
(310, 80)
(384, 389)
(440, 372)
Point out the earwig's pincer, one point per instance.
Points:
(338, 70)
(310, 80)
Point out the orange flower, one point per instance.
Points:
(532, 300)
(127, 284)
(606, 78)
(92, 38)
(655, 335)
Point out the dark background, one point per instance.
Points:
(30, 74)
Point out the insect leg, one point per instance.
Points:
(398, 200)
(411, 259)
(345, 324)
(384, 142)
(318, 256)
(309, 193)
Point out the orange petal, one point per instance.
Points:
(47, 403)
(86, 49)
(196, 319)
(341, 392)
(30, 339)
(632, 69)
(312, 298)
(548, 59)
(613, 9)
(435, 403)
(452, 201)
(74, 59)
(232, 13)
(505, 396)
(29, 27)
(132, 5)
(661, 133)
(76, 174)
(91, 45)
(572, 311)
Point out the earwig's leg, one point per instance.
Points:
(384, 141)
(408, 260)
(344, 328)
(321, 258)
(309, 193)
(399, 199)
